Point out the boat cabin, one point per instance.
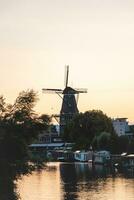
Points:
(102, 157)
(83, 156)
(128, 160)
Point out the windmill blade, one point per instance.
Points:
(77, 98)
(56, 117)
(81, 90)
(66, 75)
(52, 90)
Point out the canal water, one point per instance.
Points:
(76, 181)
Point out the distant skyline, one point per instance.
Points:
(95, 38)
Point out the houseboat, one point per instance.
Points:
(83, 156)
(102, 157)
(128, 161)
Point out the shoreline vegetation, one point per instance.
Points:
(20, 126)
(94, 129)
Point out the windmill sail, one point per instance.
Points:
(66, 75)
(69, 104)
(81, 90)
(47, 90)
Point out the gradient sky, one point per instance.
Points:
(94, 37)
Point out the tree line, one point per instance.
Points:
(94, 129)
(19, 126)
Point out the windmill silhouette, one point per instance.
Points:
(69, 101)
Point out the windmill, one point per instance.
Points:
(69, 101)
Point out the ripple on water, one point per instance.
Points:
(70, 181)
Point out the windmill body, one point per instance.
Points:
(69, 107)
(69, 104)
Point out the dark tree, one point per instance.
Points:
(85, 126)
(106, 141)
(123, 143)
(131, 146)
(19, 125)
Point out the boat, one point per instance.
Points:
(83, 156)
(128, 160)
(102, 157)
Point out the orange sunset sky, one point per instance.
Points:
(94, 37)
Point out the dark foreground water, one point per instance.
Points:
(76, 181)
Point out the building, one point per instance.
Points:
(69, 107)
(69, 97)
(50, 140)
(121, 127)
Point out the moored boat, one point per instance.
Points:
(128, 161)
(83, 156)
(102, 157)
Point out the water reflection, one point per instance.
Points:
(9, 174)
(94, 182)
(7, 183)
(80, 176)
(87, 171)
(68, 181)
(129, 172)
(76, 172)
(8, 190)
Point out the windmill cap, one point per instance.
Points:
(69, 90)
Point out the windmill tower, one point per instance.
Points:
(69, 101)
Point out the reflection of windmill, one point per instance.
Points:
(69, 104)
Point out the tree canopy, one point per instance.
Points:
(19, 125)
(85, 126)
